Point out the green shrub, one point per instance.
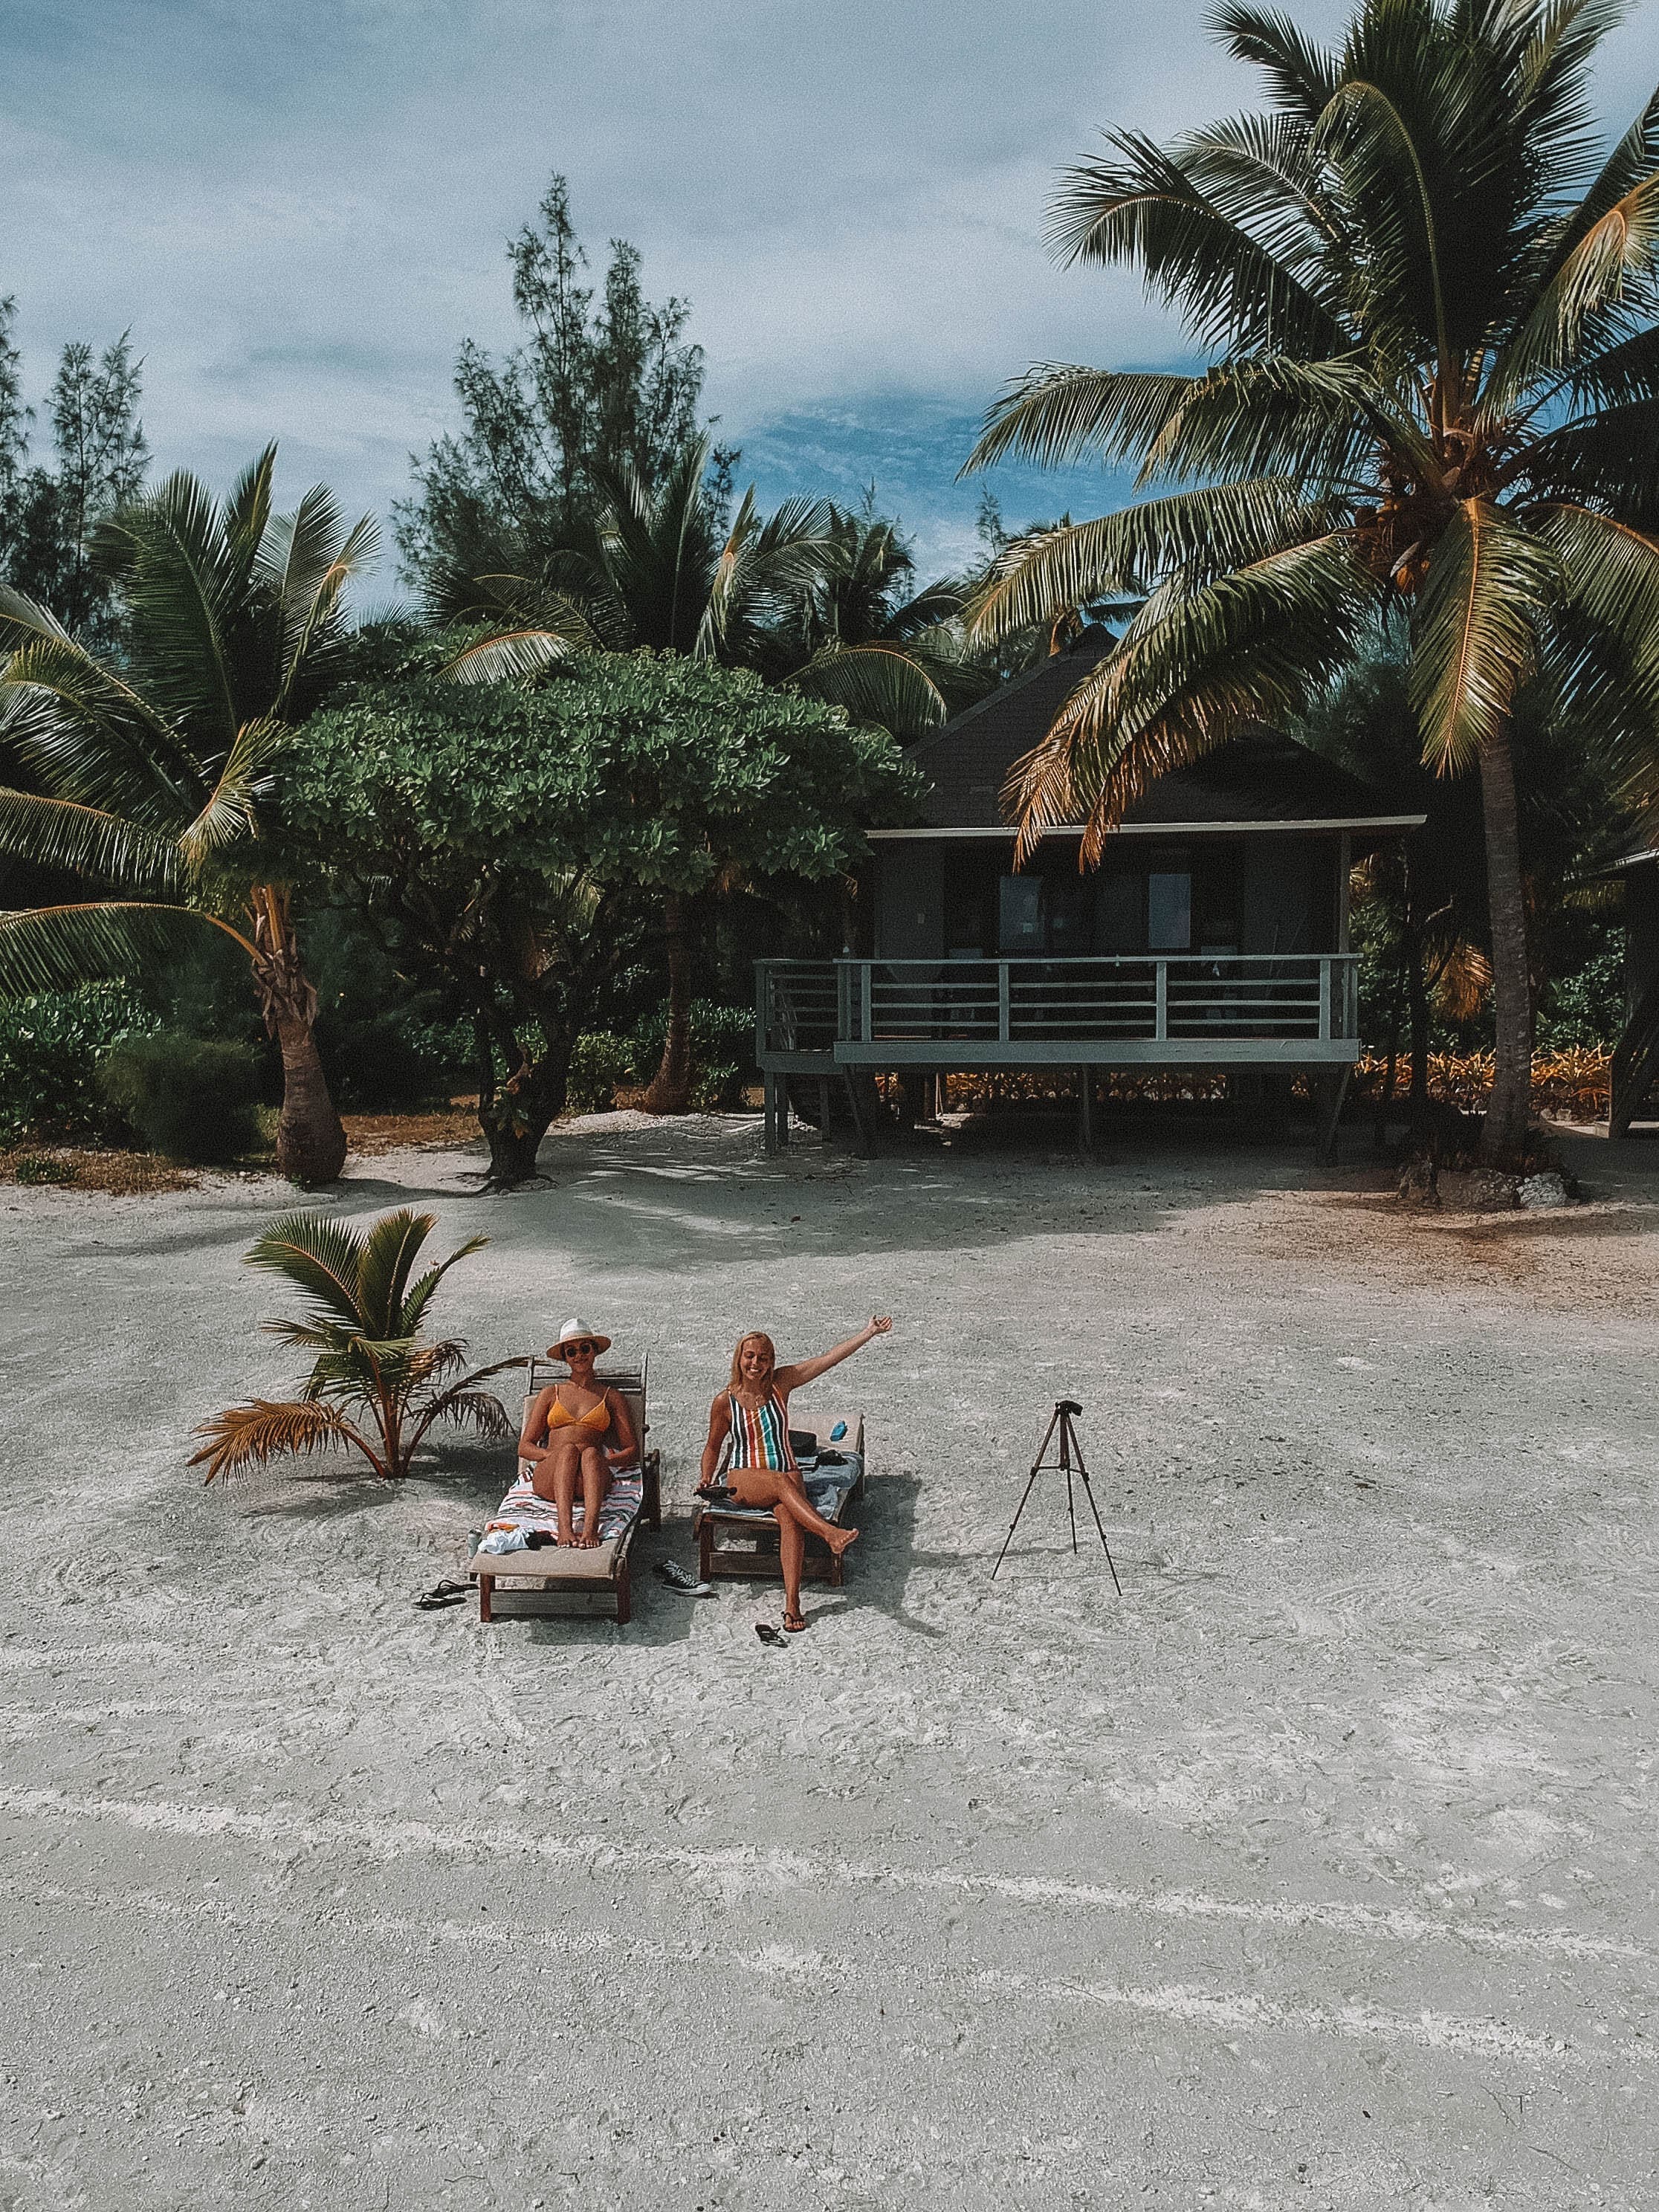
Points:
(1586, 1008)
(601, 1065)
(41, 1167)
(52, 1048)
(722, 1048)
(190, 1098)
(390, 1062)
(717, 1090)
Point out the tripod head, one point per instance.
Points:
(1067, 1406)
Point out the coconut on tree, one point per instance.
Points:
(146, 774)
(1427, 301)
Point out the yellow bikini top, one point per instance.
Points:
(596, 1418)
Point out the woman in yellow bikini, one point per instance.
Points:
(573, 1432)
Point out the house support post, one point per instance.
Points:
(1331, 1090)
(864, 1139)
(775, 1094)
(1085, 1110)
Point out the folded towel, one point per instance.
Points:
(623, 1502)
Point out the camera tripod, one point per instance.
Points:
(1071, 1457)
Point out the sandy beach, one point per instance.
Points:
(1315, 1872)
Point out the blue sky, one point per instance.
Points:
(300, 209)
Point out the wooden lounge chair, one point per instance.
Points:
(740, 1539)
(635, 1497)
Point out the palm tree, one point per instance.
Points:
(364, 1329)
(147, 774)
(859, 635)
(802, 594)
(805, 594)
(1428, 307)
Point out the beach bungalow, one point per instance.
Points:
(1213, 936)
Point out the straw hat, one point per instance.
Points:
(573, 1331)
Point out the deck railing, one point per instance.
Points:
(1141, 1007)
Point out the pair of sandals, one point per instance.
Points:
(441, 1595)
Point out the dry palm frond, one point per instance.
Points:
(255, 1434)
(1465, 978)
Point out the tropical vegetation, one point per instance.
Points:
(1426, 304)
(378, 1386)
(518, 840)
(141, 776)
(50, 510)
(524, 840)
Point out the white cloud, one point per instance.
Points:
(300, 210)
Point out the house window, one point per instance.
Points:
(1019, 915)
(1120, 914)
(1169, 912)
(1067, 903)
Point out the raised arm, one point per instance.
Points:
(719, 1427)
(808, 1371)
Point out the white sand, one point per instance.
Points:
(1316, 1873)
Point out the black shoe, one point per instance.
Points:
(672, 1572)
(767, 1633)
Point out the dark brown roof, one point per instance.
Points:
(1259, 777)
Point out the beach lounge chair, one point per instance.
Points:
(635, 1497)
(739, 1540)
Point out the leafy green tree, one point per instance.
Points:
(594, 391)
(49, 516)
(1429, 308)
(513, 836)
(147, 774)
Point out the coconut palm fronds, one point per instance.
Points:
(375, 1384)
(266, 1429)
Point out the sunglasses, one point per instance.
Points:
(580, 1344)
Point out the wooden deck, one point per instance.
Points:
(1234, 1011)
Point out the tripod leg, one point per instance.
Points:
(1089, 1492)
(1014, 1523)
(1071, 1507)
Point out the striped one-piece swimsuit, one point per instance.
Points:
(760, 1434)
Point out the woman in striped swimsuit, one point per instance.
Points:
(753, 1411)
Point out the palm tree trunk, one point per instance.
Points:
(310, 1143)
(1509, 1110)
(670, 1089)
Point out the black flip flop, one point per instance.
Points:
(441, 1594)
(795, 1624)
(767, 1633)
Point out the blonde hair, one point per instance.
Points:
(754, 1336)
